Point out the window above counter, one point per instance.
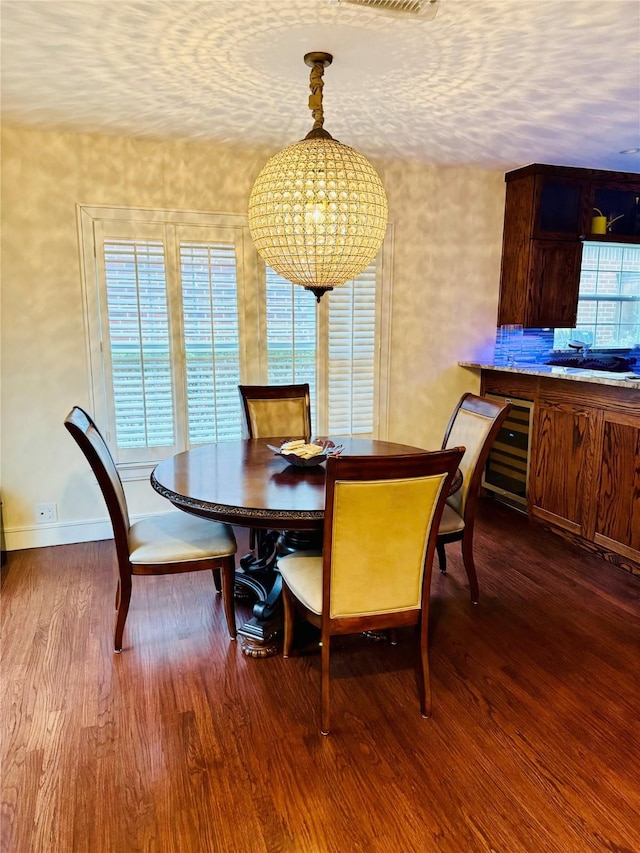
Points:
(608, 297)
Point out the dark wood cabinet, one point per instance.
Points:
(561, 485)
(554, 277)
(549, 212)
(617, 516)
(584, 467)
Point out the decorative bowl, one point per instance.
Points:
(329, 449)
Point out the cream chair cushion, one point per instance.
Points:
(302, 572)
(174, 537)
(451, 521)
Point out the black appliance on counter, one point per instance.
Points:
(612, 363)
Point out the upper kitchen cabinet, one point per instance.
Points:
(549, 211)
(615, 210)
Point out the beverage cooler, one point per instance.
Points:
(507, 470)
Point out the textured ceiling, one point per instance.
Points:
(495, 83)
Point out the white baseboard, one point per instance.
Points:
(61, 533)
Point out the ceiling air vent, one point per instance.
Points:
(425, 9)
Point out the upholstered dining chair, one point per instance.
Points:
(276, 411)
(168, 543)
(367, 582)
(475, 422)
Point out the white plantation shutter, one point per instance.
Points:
(211, 340)
(138, 321)
(167, 316)
(351, 356)
(291, 335)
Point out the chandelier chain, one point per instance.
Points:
(316, 84)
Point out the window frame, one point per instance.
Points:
(94, 221)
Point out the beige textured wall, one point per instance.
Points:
(448, 240)
(448, 227)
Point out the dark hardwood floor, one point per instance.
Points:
(183, 744)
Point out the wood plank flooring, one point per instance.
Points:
(181, 743)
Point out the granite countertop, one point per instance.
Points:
(573, 374)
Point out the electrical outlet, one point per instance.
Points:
(46, 512)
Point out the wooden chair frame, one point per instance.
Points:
(367, 468)
(274, 392)
(80, 424)
(260, 543)
(498, 411)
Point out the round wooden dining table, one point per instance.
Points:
(244, 483)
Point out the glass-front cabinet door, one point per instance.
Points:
(616, 213)
(560, 208)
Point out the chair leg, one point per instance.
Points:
(228, 582)
(424, 675)
(123, 599)
(324, 685)
(469, 564)
(217, 580)
(289, 617)
(442, 556)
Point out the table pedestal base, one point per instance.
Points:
(259, 575)
(260, 647)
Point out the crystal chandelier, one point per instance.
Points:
(318, 210)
